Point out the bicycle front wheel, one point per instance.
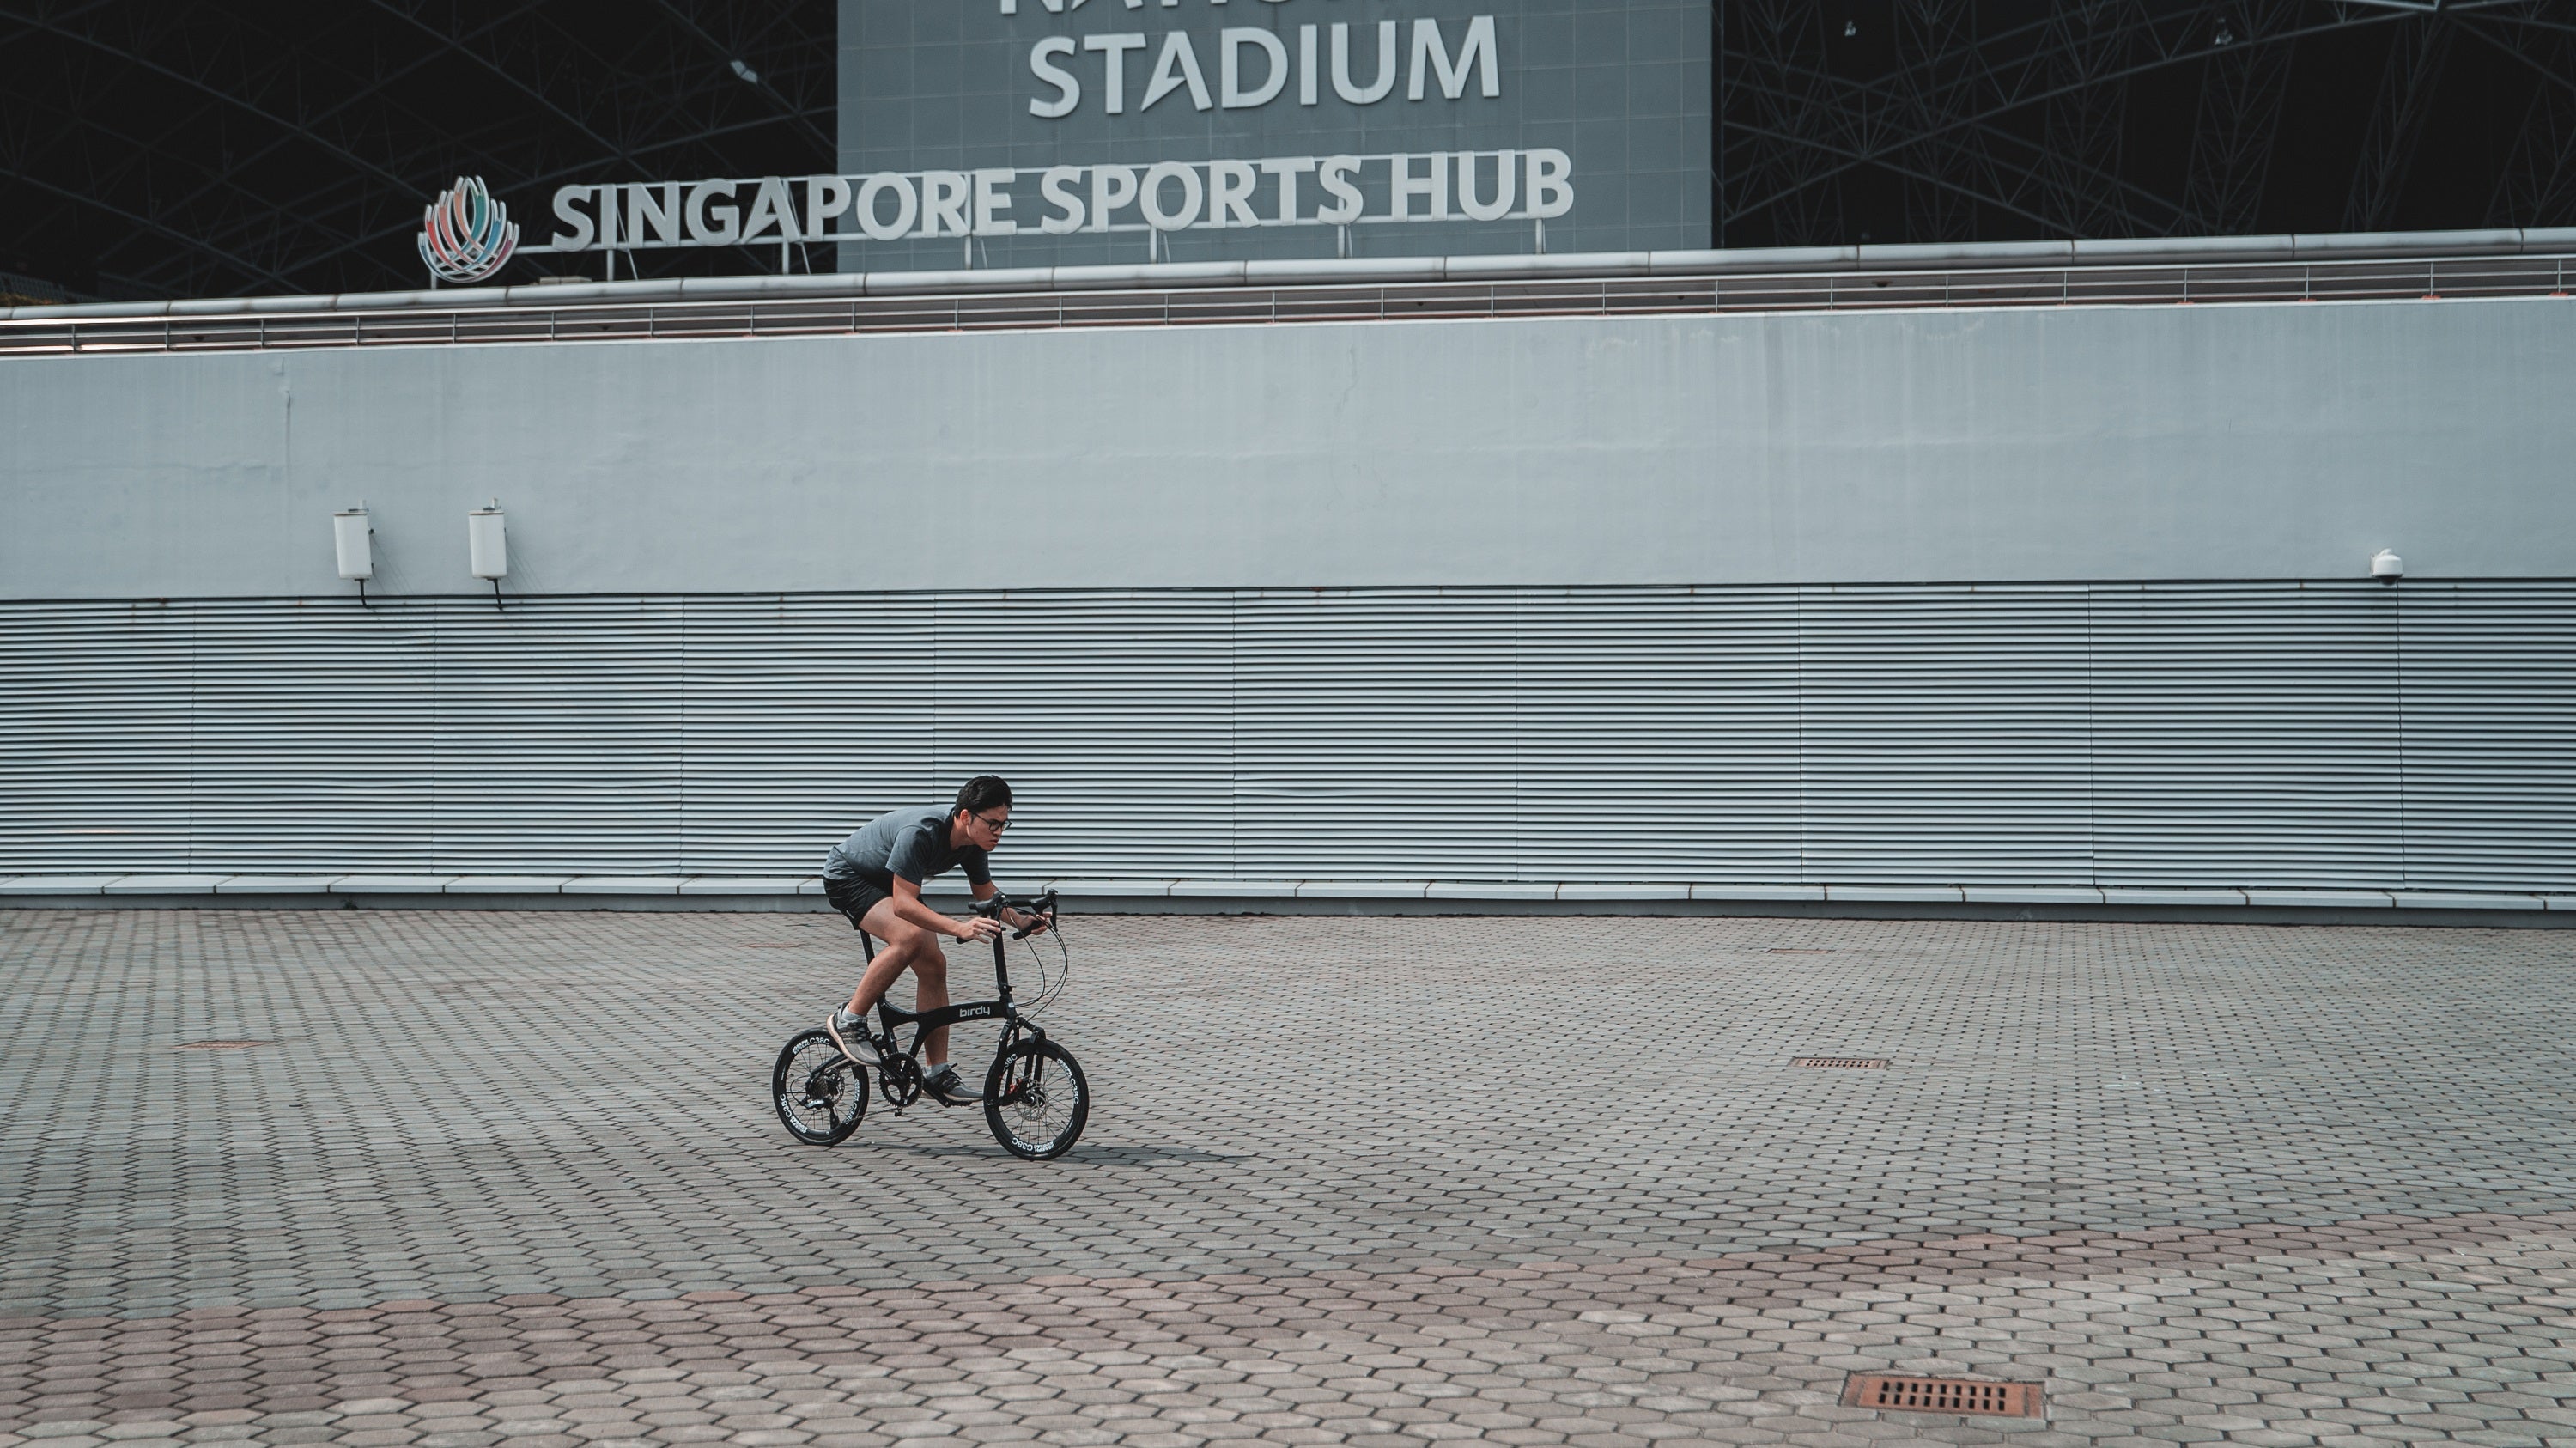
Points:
(1035, 1100)
(821, 1094)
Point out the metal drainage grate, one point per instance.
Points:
(218, 1045)
(1889, 1393)
(1848, 1063)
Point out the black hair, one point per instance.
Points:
(983, 792)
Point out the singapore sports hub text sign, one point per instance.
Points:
(1061, 132)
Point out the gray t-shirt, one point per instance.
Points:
(911, 843)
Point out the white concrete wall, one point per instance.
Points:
(2142, 443)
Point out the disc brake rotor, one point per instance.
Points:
(1026, 1090)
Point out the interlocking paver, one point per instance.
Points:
(511, 1179)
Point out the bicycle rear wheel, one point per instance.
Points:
(821, 1094)
(1035, 1100)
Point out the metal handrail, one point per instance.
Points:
(615, 319)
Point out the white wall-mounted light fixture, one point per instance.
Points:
(487, 548)
(2386, 566)
(353, 539)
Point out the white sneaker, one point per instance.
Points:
(850, 1033)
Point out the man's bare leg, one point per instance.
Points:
(878, 979)
(908, 947)
(929, 993)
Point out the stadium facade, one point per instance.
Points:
(2229, 574)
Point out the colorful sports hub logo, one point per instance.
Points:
(465, 235)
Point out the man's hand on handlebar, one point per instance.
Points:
(1022, 923)
(982, 927)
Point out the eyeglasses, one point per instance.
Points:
(996, 826)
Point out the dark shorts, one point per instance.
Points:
(854, 898)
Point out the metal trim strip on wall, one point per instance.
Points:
(602, 314)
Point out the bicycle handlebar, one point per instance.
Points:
(1042, 906)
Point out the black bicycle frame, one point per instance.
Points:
(924, 1022)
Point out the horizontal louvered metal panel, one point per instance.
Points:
(314, 734)
(1656, 735)
(2246, 735)
(1109, 713)
(95, 735)
(1942, 735)
(1374, 734)
(799, 716)
(2488, 686)
(2330, 735)
(557, 739)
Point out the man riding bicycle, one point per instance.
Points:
(875, 878)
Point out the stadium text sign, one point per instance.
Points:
(1254, 68)
(1063, 132)
(1061, 200)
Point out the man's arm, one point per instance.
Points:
(909, 905)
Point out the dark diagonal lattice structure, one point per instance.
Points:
(2538, 181)
(1961, 120)
(289, 145)
(230, 147)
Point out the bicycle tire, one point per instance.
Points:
(1035, 1100)
(820, 1093)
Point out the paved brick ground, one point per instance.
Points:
(514, 1178)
